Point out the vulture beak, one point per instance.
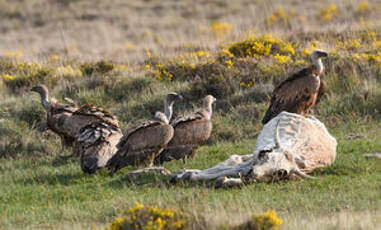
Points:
(322, 54)
(33, 89)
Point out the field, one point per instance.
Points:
(126, 55)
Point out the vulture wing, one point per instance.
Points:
(96, 144)
(141, 145)
(190, 133)
(99, 113)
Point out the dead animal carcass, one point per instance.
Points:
(289, 146)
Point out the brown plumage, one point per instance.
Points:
(96, 144)
(300, 92)
(190, 132)
(56, 115)
(86, 115)
(67, 119)
(143, 143)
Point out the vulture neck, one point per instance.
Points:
(208, 108)
(168, 109)
(318, 64)
(45, 99)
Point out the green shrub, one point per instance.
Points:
(101, 67)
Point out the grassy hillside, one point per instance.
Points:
(125, 56)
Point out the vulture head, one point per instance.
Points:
(44, 93)
(170, 99)
(316, 57)
(208, 101)
(316, 54)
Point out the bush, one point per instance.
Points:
(19, 75)
(101, 67)
(149, 218)
(267, 220)
(261, 46)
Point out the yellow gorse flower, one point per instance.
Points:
(68, 72)
(148, 218)
(363, 7)
(282, 59)
(8, 77)
(220, 29)
(328, 13)
(279, 16)
(267, 220)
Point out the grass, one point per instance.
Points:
(132, 63)
(49, 193)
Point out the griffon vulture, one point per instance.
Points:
(300, 92)
(190, 133)
(142, 144)
(96, 144)
(67, 120)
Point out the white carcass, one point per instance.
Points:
(289, 146)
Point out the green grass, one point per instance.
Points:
(47, 192)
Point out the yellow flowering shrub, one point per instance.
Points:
(363, 7)
(258, 46)
(266, 221)
(370, 35)
(54, 58)
(17, 75)
(129, 46)
(229, 63)
(278, 17)
(67, 72)
(350, 44)
(328, 13)
(220, 29)
(15, 55)
(149, 218)
(198, 54)
(281, 59)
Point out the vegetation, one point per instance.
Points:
(130, 59)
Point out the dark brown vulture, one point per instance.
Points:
(142, 144)
(300, 92)
(190, 132)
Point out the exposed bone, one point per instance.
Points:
(234, 166)
(224, 182)
(134, 175)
